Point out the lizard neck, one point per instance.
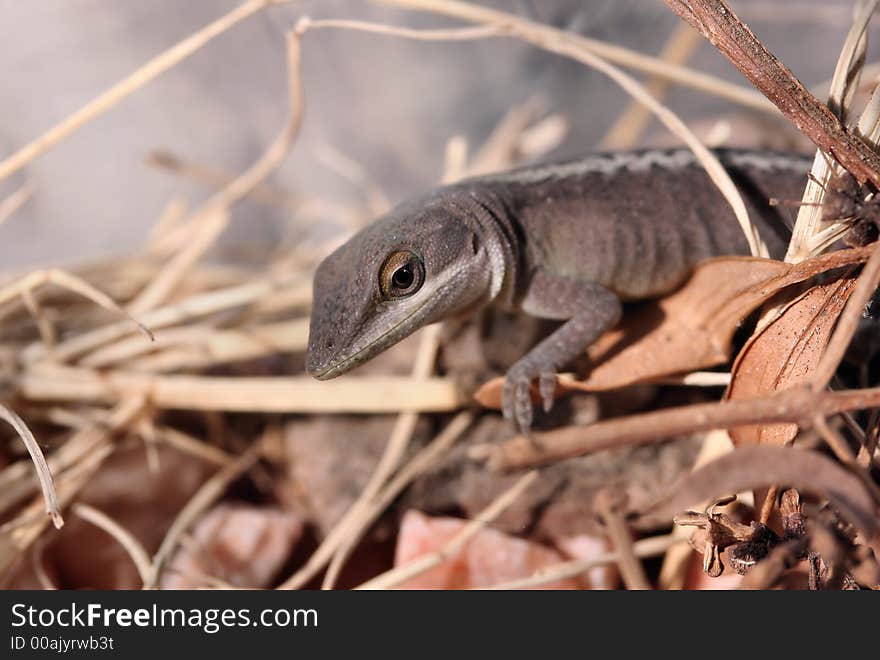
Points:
(487, 214)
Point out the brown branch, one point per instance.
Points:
(799, 405)
(813, 118)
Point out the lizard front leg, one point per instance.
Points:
(590, 308)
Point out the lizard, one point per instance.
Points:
(570, 241)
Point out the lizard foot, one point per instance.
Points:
(517, 397)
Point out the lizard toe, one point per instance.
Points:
(507, 400)
(517, 398)
(523, 411)
(547, 388)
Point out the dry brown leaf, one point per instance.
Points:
(691, 328)
(241, 544)
(585, 548)
(490, 557)
(752, 467)
(784, 354)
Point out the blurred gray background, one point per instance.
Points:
(386, 103)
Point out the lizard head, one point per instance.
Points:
(422, 262)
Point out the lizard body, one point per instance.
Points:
(567, 241)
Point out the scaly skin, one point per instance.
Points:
(568, 241)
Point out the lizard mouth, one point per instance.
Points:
(340, 366)
(335, 368)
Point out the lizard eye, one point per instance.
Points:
(401, 275)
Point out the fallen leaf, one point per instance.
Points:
(784, 354)
(757, 466)
(490, 557)
(242, 545)
(586, 547)
(690, 329)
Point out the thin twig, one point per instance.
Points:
(158, 65)
(355, 520)
(212, 217)
(452, 34)
(735, 40)
(44, 475)
(848, 321)
(609, 506)
(72, 283)
(130, 544)
(848, 70)
(26, 528)
(194, 447)
(428, 456)
(375, 394)
(632, 122)
(199, 345)
(398, 442)
(473, 13)
(452, 547)
(835, 441)
(37, 556)
(15, 201)
(274, 293)
(644, 548)
(866, 451)
(48, 334)
(204, 497)
(263, 192)
(15, 479)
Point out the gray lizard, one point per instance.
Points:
(569, 241)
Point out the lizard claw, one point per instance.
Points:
(517, 396)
